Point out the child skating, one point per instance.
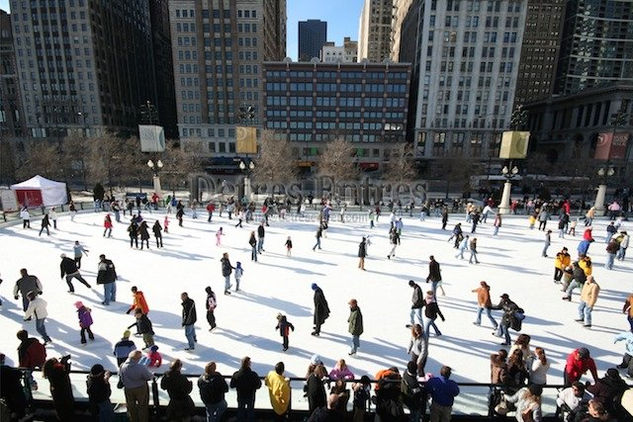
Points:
(153, 359)
(239, 271)
(218, 237)
(166, 224)
(284, 327)
(85, 321)
(288, 245)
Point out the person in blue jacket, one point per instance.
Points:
(443, 392)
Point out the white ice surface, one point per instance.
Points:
(511, 263)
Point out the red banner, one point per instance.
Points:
(29, 198)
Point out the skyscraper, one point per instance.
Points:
(597, 46)
(11, 114)
(466, 62)
(218, 50)
(539, 52)
(374, 30)
(312, 36)
(401, 10)
(83, 65)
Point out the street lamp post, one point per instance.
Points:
(155, 167)
(604, 173)
(247, 170)
(509, 172)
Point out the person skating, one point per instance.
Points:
(180, 214)
(623, 239)
(246, 382)
(212, 388)
(497, 224)
(189, 319)
(253, 242)
(211, 304)
(444, 217)
(26, 218)
(538, 365)
(457, 235)
(319, 234)
(321, 309)
(68, 268)
(123, 348)
(138, 301)
(210, 209)
(435, 275)
(543, 216)
(561, 262)
(473, 251)
(394, 240)
(166, 224)
(607, 388)
(99, 391)
(612, 249)
(79, 251)
(227, 269)
(431, 312)
(240, 218)
(133, 233)
(417, 302)
(627, 309)
(578, 279)
(143, 327)
(38, 309)
(588, 298)
(157, 229)
(25, 284)
(218, 237)
(362, 253)
(52, 215)
(181, 407)
(45, 225)
(355, 325)
(107, 276)
(107, 225)
(288, 246)
(261, 233)
(85, 321)
(239, 272)
(284, 326)
(509, 310)
(548, 241)
(143, 231)
(463, 245)
(475, 221)
(484, 304)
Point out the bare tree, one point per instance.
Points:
(77, 154)
(41, 157)
(180, 161)
(337, 161)
(401, 164)
(274, 164)
(114, 161)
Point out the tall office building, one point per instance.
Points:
(539, 52)
(163, 67)
(597, 46)
(401, 10)
(218, 49)
(83, 64)
(467, 60)
(11, 115)
(346, 53)
(374, 30)
(312, 36)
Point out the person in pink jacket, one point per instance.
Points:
(341, 371)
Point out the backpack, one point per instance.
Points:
(517, 319)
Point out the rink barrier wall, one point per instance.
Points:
(472, 400)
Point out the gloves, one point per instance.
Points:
(128, 311)
(15, 297)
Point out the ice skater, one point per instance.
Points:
(319, 234)
(143, 230)
(166, 224)
(157, 229)
(227, 269)
(548, 241)
(284, 326)
(431, 312)
(79, 251)
(69, 269)
(463, 245)
(362, 253)
(45, 225)
(239, 272)
(288, 246)
(211, 304)
(53, 216)
(321, 309)
(26, 218)
(253, 242)
(473, 251)
(218, 237)
(133, 233)
(394, 240)
(85, 321)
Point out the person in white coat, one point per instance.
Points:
(624, 243)
(52, 214)
(528, 402)
(37, 310)
(26, 218)
(538, 367)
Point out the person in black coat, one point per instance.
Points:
(321, 309)
(189, 318)
(143, 231)
(227, 269)
(132, 230)
(606, 389)
(431, 312)
(362, 253)
(444, 217)
(157, 229)
(246, 382)
(178, 386)
(179, 214)
(315, 389)
(212, 389)
(435, 274)
(57, 373)
(68, 268)
(45, 225)
(11, 389)
(99, 391)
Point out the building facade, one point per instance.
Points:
(312, 36)
(12, 122)
(401, 10)
(540, 49)
(374, 31)
(84, 66)
(597, 45)
(218, 48)
(467, 57)
(346, 53)
(312, 103)
(567, 127)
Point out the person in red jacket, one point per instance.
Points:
(31, 354)
(578, 363)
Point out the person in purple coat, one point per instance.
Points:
(85, 321)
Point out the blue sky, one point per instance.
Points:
(341, 16)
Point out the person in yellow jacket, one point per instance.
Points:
(585, 263)
(561, 262)
(279, 390)
(588, 298)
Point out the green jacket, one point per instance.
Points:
(355, 322)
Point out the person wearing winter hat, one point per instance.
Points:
(99, 391)
(578, 363)
(69, 269)
(85, 321)
(153, 359)
(321, 309)
(123, 348)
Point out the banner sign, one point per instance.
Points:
(246, 140)
(610, 147)
(514, 144)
